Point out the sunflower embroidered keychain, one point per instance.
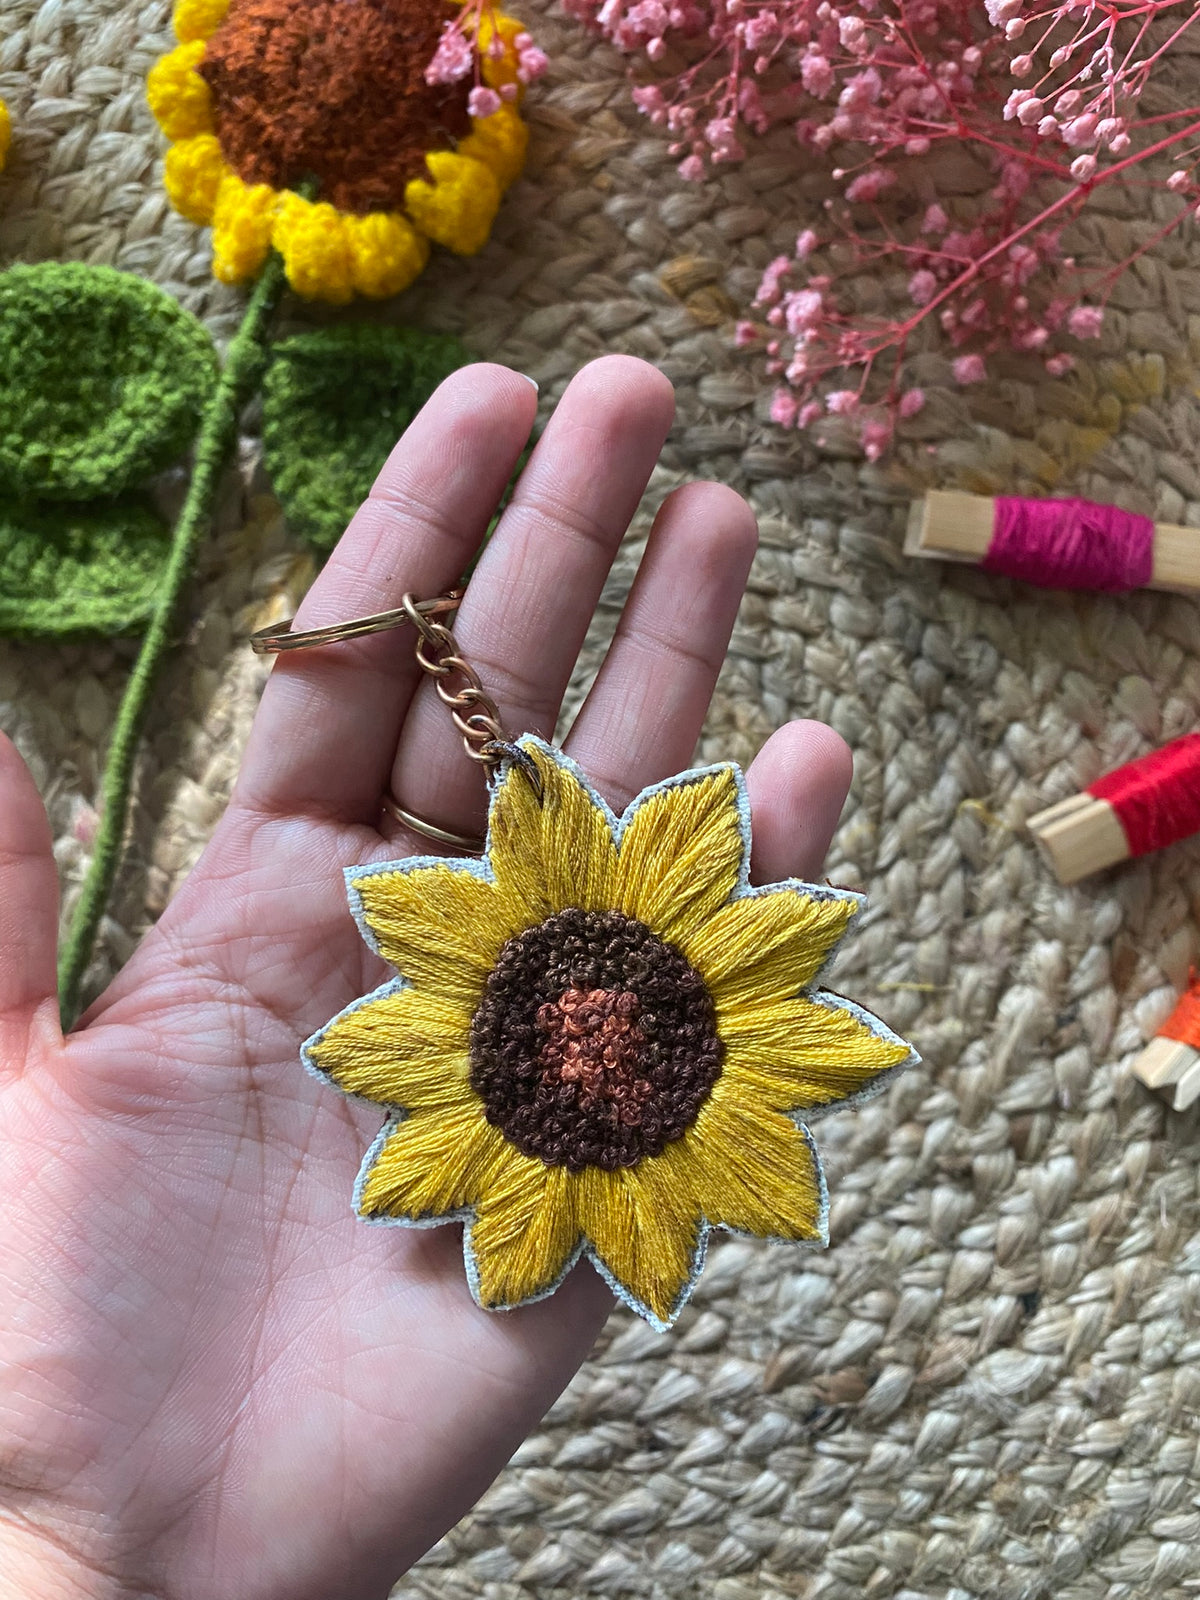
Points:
(601, 1039)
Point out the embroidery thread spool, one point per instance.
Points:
(1056, 544)
(1170, 1063)
(1146, 805)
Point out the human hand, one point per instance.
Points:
(214, 1380)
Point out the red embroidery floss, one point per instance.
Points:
(1170, 1063)
(1144, 806)
(1056, 544)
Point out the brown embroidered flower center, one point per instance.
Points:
(595, 1043)
(333, 90)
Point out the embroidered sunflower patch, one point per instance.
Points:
(601, 1040)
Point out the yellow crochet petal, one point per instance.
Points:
(192, 173)
(644, 1223)
(765, 947)
(406, 1048)
(198, 19)
(550, 856)
(5, 134)
(499, 141)
(177, 95)
(796, 1054)
(681, 855)
(386, 253)
(523, 1236)
(501, 69)
(458, 208)
(441, 926)
(434, 1164)
(242, 220)
(311, 238)
(753, 1170)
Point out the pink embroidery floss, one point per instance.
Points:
(1070, 544)
(1056, 544)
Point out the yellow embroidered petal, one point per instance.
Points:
(177, 95)
(765, 947)
(644, 1222)
(522, 1240)
(458, 208)
(5, 134)
(754, 1170)
(242, 220)
(434, 1164)
(311, 238)
(681, 854)
(551, 856)
(404, 1049)
(198, 19)
(796, 1054)
(192, 173)
(386, 253)
(499, 141)
(500, 69)
(441, 926)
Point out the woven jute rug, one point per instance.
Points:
(987, 1386)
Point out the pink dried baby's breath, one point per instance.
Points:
(1086, 322)
(867, 87)
(483, 102)
(922, 287)
(969, 369)
(454, 57)
(784, 407)
(875, 436)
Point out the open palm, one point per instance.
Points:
(214, 1381)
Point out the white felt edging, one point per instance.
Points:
(482, 869)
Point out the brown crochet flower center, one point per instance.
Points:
(595, 1043)
(333, 90)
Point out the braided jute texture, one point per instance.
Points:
(986, 1386)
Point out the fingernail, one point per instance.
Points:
(528, 379)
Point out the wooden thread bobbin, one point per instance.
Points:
(1172, 1069)
(1170, 1063)
(1080, 835)
(1143, 806)
(948, 525)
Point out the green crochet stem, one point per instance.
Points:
(244, 362)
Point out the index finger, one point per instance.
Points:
(326, 732)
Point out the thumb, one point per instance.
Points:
(28, 907)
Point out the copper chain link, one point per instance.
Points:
(476, 715)
(473, 711)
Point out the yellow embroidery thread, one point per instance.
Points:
(674, 877)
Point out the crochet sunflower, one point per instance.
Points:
(601, 1040)
(262, 97)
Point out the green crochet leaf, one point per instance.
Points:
(89, 568)
(103, 377)
(334, 403)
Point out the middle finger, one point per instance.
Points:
(533, 593)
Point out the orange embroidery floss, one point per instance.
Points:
(1170, 1063)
